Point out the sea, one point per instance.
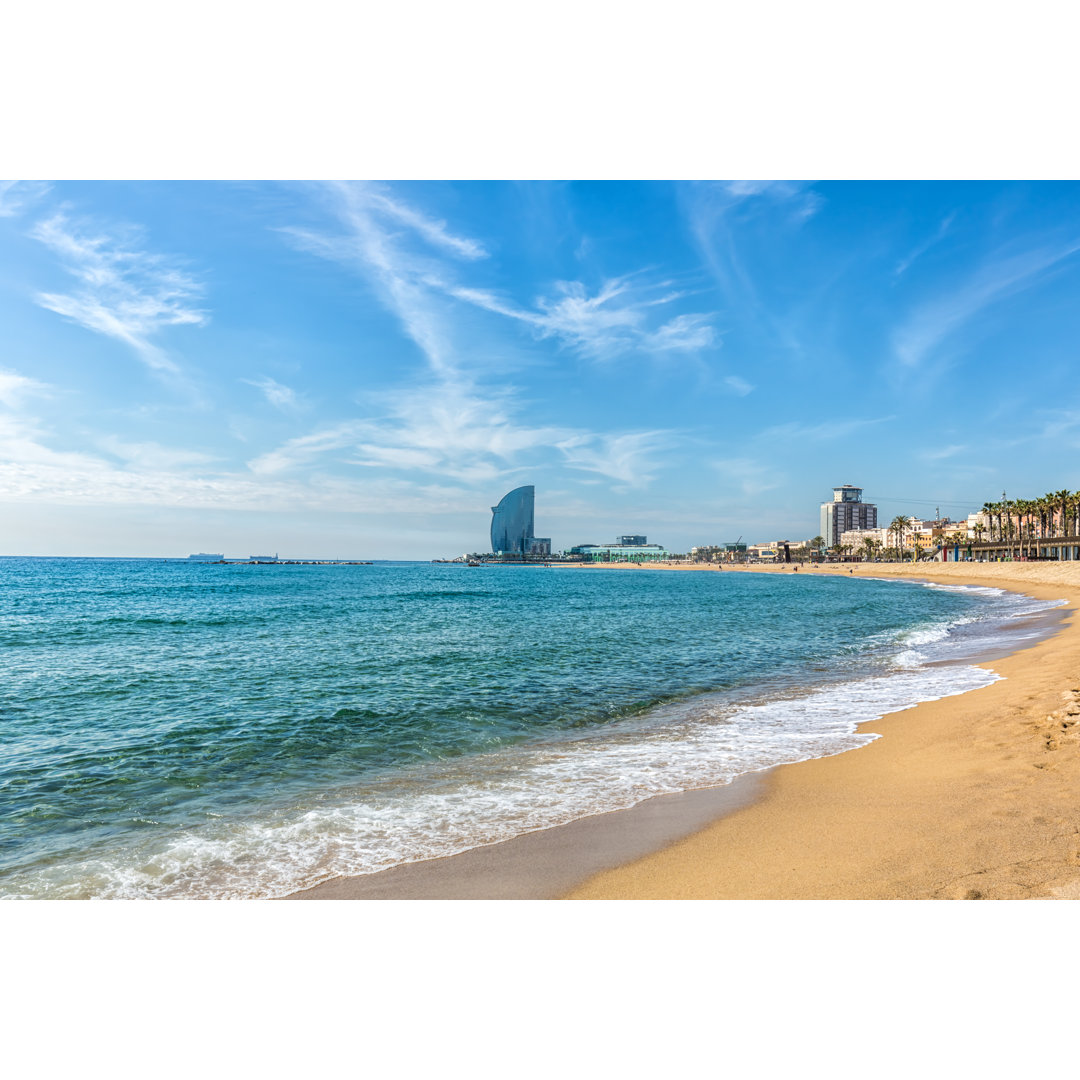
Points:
(191, 730)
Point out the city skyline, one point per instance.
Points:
(359, 369)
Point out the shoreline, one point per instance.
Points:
(546, 864)
(969, 797)
(679, 845)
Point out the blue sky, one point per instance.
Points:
(364, 369)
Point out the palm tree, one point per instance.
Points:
(1061, 498)
(898, 527)
(1024, 509)
(1042, 509)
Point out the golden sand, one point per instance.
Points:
(971, 797)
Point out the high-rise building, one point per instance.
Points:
(512, 525)
(846, 511)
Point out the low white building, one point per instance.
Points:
(855, 538)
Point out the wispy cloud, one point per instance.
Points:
(1004, 276)
(126, 292)
(797, 196)
(684, 333)
(596, 325)
(450, 426)
(749, 476)
(18, 195)
(304, 448)
(628, 459)
(719, 216)
(1054, 427)
(737, 385)
(149, 474)
(400, 275)
(15, 388)
(942, 453)
(434, 232)
(452, 430)
(152, 455)
(613, 321)
(278, 394)
(826, 432)
(447, 428)
(926, 245)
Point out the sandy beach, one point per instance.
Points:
(970, 797)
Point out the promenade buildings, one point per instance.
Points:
(846, 511)
(624, 549)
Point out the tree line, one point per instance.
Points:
(1027, 523)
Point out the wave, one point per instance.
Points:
(444, 807)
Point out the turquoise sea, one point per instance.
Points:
(170, 729)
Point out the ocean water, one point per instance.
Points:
(192, 730)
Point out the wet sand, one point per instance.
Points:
(973, 796)
(546, 864)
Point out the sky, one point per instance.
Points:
(362, 370)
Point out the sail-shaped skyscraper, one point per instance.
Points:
(512, 525)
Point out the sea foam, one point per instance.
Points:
(443, 807)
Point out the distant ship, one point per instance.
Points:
(202, 556)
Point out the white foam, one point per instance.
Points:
(453, 806)
(447, 807)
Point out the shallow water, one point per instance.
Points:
(173, 729)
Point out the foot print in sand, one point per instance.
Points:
(1061, 725)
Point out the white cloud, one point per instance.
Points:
(31, 471)
(926, 245)
(304, 448)
(278, 394)
(628, 459)
(718, 214)
(449, 429)
(794, 194)
(152, 455)
(738, 386)
(591, 324)
(600, 325)
(942, 453)
(126, 293)
(446, 428)
(17, 195)
(749, 476)
(825, 432)
(366, 245)
(434, 232)
(1004, 276)
(741, 189)
(14, 388)
(603, 325)
(683, 333)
